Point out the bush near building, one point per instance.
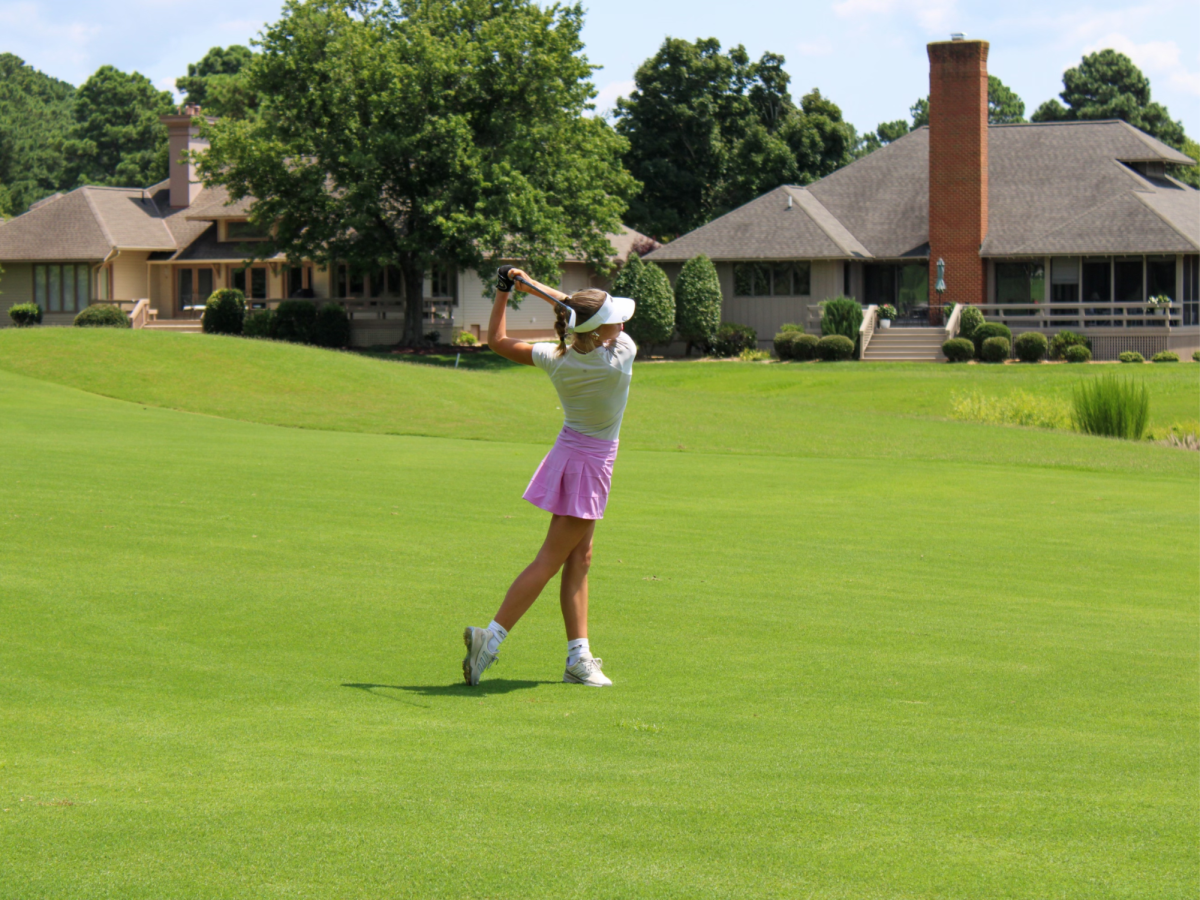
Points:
(258, 323)
(995, 349)
(731, 339)
(25, 315)
(989, 330)
(1131, 356)
(1064, 339)
(958, 350)
(970, 319)
(1165, 356)
(698, 302)
(331, 327)
(841, 315)
(294, 321)
(1077, 353)
(102, 316)
(1031, 347)
(834, 348)
(224, 312)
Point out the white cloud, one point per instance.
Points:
(822, 46)
(932, 15)
(62, 44)
(606, 98)
(1158, 59)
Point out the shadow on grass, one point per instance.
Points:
(491, 686)
(481, 359)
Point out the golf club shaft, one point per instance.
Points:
(537, 290)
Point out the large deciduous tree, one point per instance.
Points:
(35, 115)
(219, 82)
(117, 138)
(416, 132)
(710, 130)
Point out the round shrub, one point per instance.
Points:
(841, 315)
(731, 339)
(465, 339)
(989, 330)
(1131, 356)
(1165, 356)
(257, 323)
(804, 347)
(969, 319)
(834, 348)
(1196, 356)
(958, 350)
(224, 312)
(25, 314)
(698, 302)
(102, 315)
(1064, 339)
(784, 341)
(332, 326)
(1031, 347)
(994, 349)
(294, 321)
(1077, 353)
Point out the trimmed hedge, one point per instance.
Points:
(989, 330)
(294, 321)
(332, 326)
(994, 349)
(804, 347)
(1064, 339)
(731, 339)
(969, 319)
(1031, 347)
(841, 315)
(102, 316)
(1077, 353)
(654, 322)
(698, 302)
(224, 312)
(834, 348)
(257, 323)
(1165, 356)
(958, 350)
(24, 315)
(1131, 356)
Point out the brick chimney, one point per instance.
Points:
(183, 136)
(958, 167)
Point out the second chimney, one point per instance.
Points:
(182, 137)
(958, 167)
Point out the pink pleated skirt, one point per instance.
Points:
(575, 476)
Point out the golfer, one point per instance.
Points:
(590, 367)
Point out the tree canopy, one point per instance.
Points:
(219, 82)
(35, 114)
(411, 133)
(117, 138)
(1004, 108)
(710, 130)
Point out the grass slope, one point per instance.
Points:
(230, 656)
(844, 410)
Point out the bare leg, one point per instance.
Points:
(573, 595)
(563, 537)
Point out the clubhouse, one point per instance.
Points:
(1046, 226)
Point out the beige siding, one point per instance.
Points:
(16, 286)
(322, 282)
(130, 281)
(766, 314)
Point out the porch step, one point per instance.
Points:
(179, 326)
(906, 345)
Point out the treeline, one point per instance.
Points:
(706, 129)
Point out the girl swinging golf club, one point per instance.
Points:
(590, 367)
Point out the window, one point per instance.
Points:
(1191, 290)
(343, 282)
(299, 281)
(257, 287)
(358, 285)
(1064, 280)
(244, 231)
(442, 283)
(781, 279)
(1020, 282)
(395, 284)
(1127, 278)
(195, 286)
(913, 291)
(1160, 276)
(1097, 281)
(62, 287)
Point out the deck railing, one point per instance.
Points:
(140, 314)
(954, 321)
(1078, 316)
(867, 330)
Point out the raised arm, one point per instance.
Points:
(498, 340)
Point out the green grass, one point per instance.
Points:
(860, 650)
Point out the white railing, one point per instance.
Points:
(140, 314)
(867, 330)
(1078, 316)
(954, 322)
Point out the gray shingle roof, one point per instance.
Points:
(1052, 188)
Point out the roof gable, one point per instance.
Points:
(63, 229)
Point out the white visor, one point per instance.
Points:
(612, 311)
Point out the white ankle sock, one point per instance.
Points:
(499, 633)
(578, 649)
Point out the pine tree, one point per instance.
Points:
(698, 301)
(654, 321)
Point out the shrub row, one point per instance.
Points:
(295, 321)
(731, 339)
(793, 343)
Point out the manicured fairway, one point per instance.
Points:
(859, 651)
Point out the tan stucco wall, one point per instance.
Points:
(16, 286)
(130, 277)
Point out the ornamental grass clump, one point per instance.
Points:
(1111, 407)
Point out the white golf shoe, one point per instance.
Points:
(587, 671)
(478, 656)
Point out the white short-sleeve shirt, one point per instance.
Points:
(593, 387)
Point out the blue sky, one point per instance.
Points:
(867, 55)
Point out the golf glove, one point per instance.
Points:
(503, 282)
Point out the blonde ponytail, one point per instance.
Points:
(585, 303)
